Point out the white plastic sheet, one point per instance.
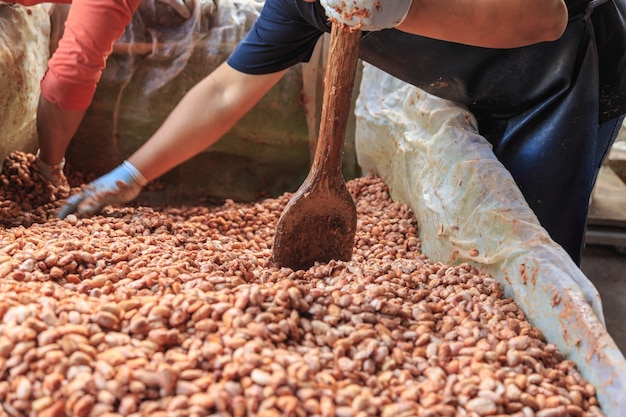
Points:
(24, 34)
(469, 209)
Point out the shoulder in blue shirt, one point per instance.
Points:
(284, 34)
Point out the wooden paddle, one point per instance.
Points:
(319, 222)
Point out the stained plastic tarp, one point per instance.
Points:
(160, 57)
(163, 53)
(24, 34)
(469, 209)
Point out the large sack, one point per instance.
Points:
(24, 51)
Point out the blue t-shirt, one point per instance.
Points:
(284, 34)
(508, 80)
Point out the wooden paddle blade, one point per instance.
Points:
(315, 227)
(319, 223)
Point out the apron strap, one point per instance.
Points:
(590, 6)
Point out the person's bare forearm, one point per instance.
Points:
(55, 129)
(487, 23)
(206, 112)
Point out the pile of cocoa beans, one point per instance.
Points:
(178, 311)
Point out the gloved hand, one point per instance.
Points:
(52, 173)
(368, 15)
(119, 186)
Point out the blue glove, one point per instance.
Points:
(368, 15)
(119, 186)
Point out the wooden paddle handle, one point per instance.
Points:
(343, 57)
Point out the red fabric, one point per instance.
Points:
(91, 29)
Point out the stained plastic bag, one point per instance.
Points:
(24, 34)
(469, 209)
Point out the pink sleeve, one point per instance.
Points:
(91, 29)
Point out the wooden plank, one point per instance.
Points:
(608, 203)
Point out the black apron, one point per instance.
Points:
(609, 24)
